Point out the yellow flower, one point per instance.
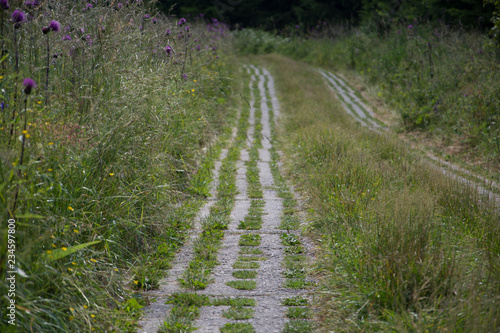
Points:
(74, 263)
(76, 231)
(93, 316)
(64, 248)
(70, 208)
(49, 170)
(192, 89)
(72, 309)
(25, 131)
(51, 143)
(54, 245)
(194, 80)
(111, 174)
(70, 269)
(93, 260)
(52, 236)
(71, 317)
(49, 251)
(116, 269)
(85, 306)
(14, 163)
(1, 77)
(27, 136)
(136, 281)
(39, 102)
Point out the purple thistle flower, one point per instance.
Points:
(410, 26)
(184, 76)
(198, 47)
(2, 105)
(45, 30)
(167, 32)
(146, 16)
(154, 20)
(4, 4)
(81, 30)
(187, 28)
(18, 17)
(214, 20)
(67, 37)
(182, 21)
(88, 6)
(29, 84)
(54, 26)
(119, 5)
(168, 49)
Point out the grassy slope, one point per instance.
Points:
(402, 247)
(121, 155)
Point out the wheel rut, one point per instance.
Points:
(259, 279)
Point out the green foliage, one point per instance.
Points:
(112, 148)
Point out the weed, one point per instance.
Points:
(245, 274)
(250, 240)
(298, 326)
(237, 328)
(294, 301)
(242, 284)
(239, 313)
(296, 312)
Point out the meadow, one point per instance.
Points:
(438, 83)
(110, 116)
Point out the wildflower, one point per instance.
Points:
(71, 208)
(198, 47)
(146, 16)
(71, 317)
(64, 248)
(410, 26)
(111, 174)
(18, 17)
(136, 281)
(70, 269)
(182, 21)
(76, 231)
(49, 251)
(54, 26)
(93, 260)
(54, 246)
(168, 49)
(71, 309)
(116, 269)
(4, 4)
(67, 37)
(119, 5)
(51, 143)
(85, 306)
(187, 28)
(167, 32)
(154, 20)
(184, 76)
(29, 84)
(88, 6)
(92, 315)
(73, 263)
(2, 106)
(45, 30)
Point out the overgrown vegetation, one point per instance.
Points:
(440, 80)
(100, 152)
(403, 248)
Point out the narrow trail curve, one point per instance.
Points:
(365, 116)
(260, 197)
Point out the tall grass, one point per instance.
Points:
(402, 247)
(439, 80)
(104, 191)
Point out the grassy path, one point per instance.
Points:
(357, 109)
(258, 284)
